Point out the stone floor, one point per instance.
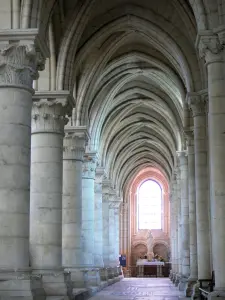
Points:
(140, 289)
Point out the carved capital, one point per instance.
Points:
(89, 165)
(50, 110)
(106, 185)
(105, 198)
(98, 187)
(210, 44)
(182, 156)
(22, 55)
(99, 174)
(198, 103)
(189, 135)
(124, 207)
(74, 143)
(115, 205)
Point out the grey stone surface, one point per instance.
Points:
(140, 289)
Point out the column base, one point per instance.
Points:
(20, 284)
(182, 283)
(217, 294)
(85, 279)
(104, 275)
(195, 292)
(173, 278)
(177, 279)
(190, 286)
(55, 283)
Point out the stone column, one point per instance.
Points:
(123, 229)
(88, 201)
(72, 252)
(185, 217)
(48, 120)
(105, 236)
(98, 227)
(171, 196)
(179, 228)
(107, 215)
(20, 62)
(112, 232)
(211, 46)
(98, 216)
(197, 102)
(116, 208)
(176, 252)
(113, 216)
(88, 221)
(117, 231)
(192, 213)
(173, 227)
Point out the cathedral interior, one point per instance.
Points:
(112, 146)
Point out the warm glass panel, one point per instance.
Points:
(149, 205)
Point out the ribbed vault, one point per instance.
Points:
(129, 65)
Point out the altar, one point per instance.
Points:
(147, 268)
(145, 262)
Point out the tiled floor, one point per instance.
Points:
(140, 289)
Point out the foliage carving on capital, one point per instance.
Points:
(50, 111)
(115, 205)
(182, 156)
(105, 198)
(22, 55)
(198, 103)
(189, 135)
(74, 144)
(124, 207)
(99, 175)
(18, 65)
(89, 165)
(210, 45)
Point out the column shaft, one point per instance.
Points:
(184, 215)
(198, 106)
(74, 147)
(46, 180)
(117, 235)
(18, 69)
(105, 211)
(216, 126)
(88, 202)
(112, 234)
(179, 224)
(98, 215)
(192, 208)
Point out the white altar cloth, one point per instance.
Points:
(145, 262)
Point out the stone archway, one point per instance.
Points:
(161, 250)
(138, 251)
